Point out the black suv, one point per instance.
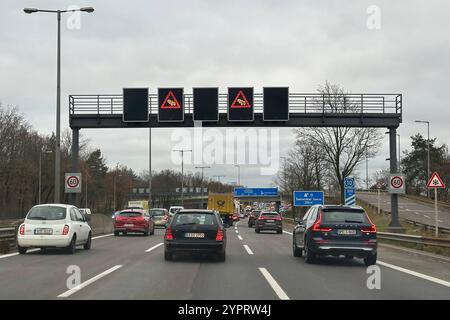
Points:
(335, 230)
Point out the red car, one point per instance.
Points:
(132, 220)
(236, 216)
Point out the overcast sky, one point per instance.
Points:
(299, 44)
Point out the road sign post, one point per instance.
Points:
(436, 182)
(396, 184)
(349, 191)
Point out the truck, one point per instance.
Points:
(223, 203)
(143, 204)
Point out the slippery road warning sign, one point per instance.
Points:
(170, 102)
(73, 183)
(240, 104)
(435, 181)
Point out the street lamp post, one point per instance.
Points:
(201, 186)
(182, 151)
(40, 173)
(58, 91)
(239, 174)
(428, 152)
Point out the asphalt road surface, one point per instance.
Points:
(409, 209)
(258, 267)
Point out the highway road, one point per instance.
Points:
(408, 208)
(258, 267)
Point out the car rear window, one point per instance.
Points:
(157, 213)
(269, 214)
(195, 219)
(47, 213)
(344, 216)
(130, 214)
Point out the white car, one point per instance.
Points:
(54, 226)
(174, 209)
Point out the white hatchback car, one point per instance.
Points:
(54, 226)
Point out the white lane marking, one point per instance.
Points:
(240, 238)
(416, 213)
(249, 251)
(414, 273)
(287, 232)
(440, 221)
(237, 231)
(16, 253)
(103, 236)
(426, 216)
(275, 286)
(88, 282)
(154, 247)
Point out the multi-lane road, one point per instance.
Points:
(409, 208)
(258, 267)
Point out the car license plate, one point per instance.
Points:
(43, 231)
(194, 235)
(128, 225)
(270, 220)
(347, 232)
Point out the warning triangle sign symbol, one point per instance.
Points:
(240, 101)
(435, 181)
(170, 102)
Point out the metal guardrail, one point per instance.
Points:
(8, 234)
(298, 103)
(420, 240)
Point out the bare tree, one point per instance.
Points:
(342, 147)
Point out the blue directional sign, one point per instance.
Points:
(255, 192)
(349, 191)
(308, 198)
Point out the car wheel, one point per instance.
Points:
(73, 245)
(116, 233)
(22, 250)
(221, 256)
(88, 244)
(257, 230)
(146, 233)
(168, 255)
(371, 259)
(153, 231)
(124, 233)
(309, 255)
(279, 231)
(296, 251)
(349, 257)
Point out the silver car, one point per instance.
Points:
(160, 216)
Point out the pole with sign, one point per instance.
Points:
(73, 182)
(349, 191)
(436, 182)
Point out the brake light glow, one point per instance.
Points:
(65, 231)
(219, 235)
(317, 226)
(22, 230)
(372, 228)
(169, 235)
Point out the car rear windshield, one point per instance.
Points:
(47, 213)
(269, 214)
(344, 216)
(130, 214)
(195, 219)
(157, 213)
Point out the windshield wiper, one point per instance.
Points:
(353, 221)
(38, 218)
(186, 224)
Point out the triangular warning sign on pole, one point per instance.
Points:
(435, 181)
(240, 101)
(170, 102)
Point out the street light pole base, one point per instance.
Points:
(399, 229)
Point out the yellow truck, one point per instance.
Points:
(223, 203)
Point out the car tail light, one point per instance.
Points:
(317, 227)
(166, 218)
(169, 235)
(65, 231)
(219, 235)
(372, 228)
(22, 230)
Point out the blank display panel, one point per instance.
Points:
(135, 105)
(276, 104)
(206, 104)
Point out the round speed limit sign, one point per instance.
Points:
(397, 182)
(73, 181)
